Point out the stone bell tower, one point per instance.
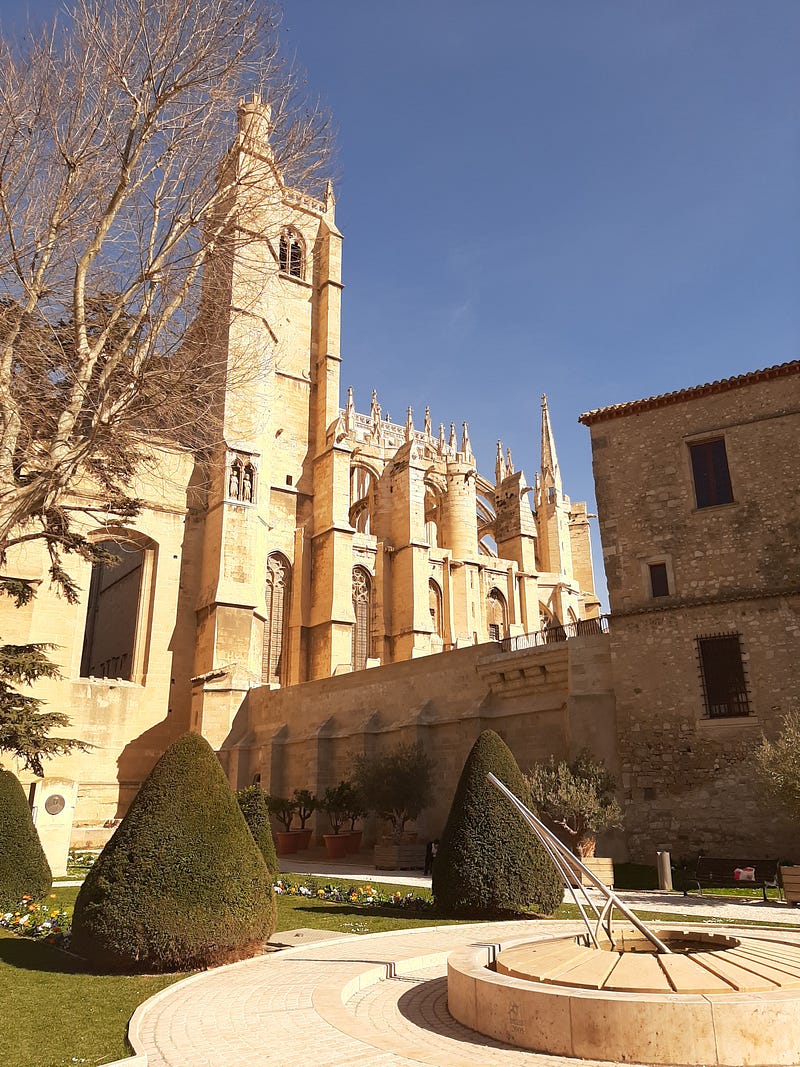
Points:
(278, 485)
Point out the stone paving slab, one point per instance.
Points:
(378, 999)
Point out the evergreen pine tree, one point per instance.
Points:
(181, 884)
(24, 870)
(489, 862)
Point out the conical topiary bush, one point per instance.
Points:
(181, 884)
(24, 870)
(488, 861)
(253, 802)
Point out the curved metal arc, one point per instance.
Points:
(552, 844)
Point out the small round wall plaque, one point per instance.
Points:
(54, 804)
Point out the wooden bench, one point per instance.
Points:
(716, 873)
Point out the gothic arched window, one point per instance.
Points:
(362, 594)
(273, 659)
(117, 632)
(292, 254)
(435, 603)
(496, 615)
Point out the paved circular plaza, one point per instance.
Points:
(376, 1000)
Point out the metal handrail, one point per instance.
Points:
(551, 635)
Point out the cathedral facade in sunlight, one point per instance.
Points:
(311, 541)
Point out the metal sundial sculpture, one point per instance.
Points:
(566, 862)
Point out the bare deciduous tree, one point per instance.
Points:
(113, 126)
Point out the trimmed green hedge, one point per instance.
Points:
(253, 802)
(489, 862)
(181, 884)
(24, 870)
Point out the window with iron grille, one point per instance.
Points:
(722, 676)
(712, 480)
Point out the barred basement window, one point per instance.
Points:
(712, 480)
(722, 676)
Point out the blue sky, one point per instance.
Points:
(596, 199)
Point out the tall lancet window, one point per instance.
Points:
(273, 659)
(292, 256)
(435, 604)
(496, 615)
(362, 595)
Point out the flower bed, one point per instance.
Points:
(363, 895)
(38, 920)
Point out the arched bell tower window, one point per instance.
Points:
(279, 580)
(496, 615)
(362, 596)
(292, 254)
(435, 603)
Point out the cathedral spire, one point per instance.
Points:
(442, 442)
(509, 462)
(551, 475)
(453, 444)
(466, 445)
(427, 427)
(499, 465)
(409, 424)
(350, 410)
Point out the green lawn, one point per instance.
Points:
(55, 1013)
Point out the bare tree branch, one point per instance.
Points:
(115, 188)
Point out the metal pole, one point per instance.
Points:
(545, 835)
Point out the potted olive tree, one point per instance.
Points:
(397, 785)
(577, 799)
(335, 803)
(778, 766)
(306, 806)
(356, 809)
(284, 811)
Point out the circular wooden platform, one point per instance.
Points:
(729, 999)
(700, 963)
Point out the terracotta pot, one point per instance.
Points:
(353, 840)
(335, 845)
(303, 838)
(286, 842)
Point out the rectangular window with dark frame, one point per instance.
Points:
(712, 479)
(722, 676)
(659, 583)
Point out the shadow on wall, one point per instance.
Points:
(139, 757)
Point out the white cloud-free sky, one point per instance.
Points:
(596, 199)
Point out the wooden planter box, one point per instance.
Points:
(390, 856)
(601, 867)
(790, 880)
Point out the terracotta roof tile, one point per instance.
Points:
(614, 411)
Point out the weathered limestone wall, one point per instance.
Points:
(127, 723)
(550, 700)
(689, 780)
(732, 569)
